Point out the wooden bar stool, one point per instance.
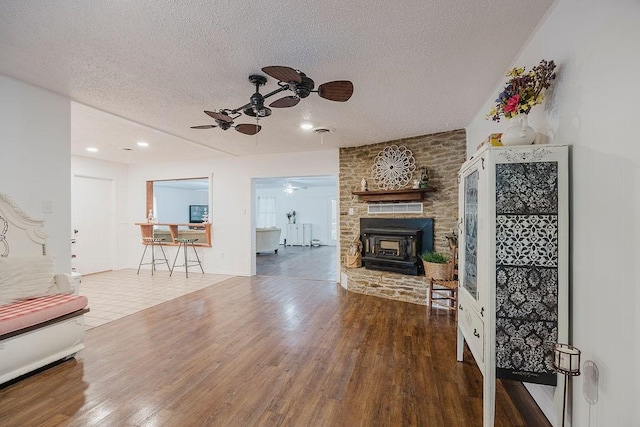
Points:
(183, 244)
(444, 292)
(153, 242)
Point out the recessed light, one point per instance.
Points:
(143, 144)
(92, 149)
(306, 126)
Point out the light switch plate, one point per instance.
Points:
(47, 207)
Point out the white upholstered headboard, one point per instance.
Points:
(20, 235)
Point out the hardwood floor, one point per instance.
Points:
(263, 351)
(306, 262)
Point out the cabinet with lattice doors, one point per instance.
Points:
(513, 264)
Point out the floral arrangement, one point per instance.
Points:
(523, 90)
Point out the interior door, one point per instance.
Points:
(91, 215)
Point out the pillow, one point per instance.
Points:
(64, 283)
(26, 277)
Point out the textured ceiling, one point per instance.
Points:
(418, 67)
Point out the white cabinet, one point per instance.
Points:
(298, 235)
(513, 264)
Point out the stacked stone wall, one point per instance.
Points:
(443, 154)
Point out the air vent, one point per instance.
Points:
(394, 208)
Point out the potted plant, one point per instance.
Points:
(437, 266)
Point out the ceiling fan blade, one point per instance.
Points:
(283, 74)
(339, 90)
(287, 101)
(248, 129)
(219, 116)
(204, 127)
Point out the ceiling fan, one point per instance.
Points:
(288, 79)
(225, 121)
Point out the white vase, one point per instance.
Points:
(518, 132)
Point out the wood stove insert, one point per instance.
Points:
(395, 244)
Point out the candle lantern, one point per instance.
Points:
(566, 361)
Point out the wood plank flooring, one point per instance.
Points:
(316, 262)
(262, 351)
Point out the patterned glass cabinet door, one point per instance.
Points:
(472, 260)
(522, 259)
(468, 258)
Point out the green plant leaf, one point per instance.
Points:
(436, 257)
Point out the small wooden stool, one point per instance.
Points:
(444, 293)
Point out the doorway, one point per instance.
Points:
(92, 217)
(305, 210)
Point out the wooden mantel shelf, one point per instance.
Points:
(403, 195)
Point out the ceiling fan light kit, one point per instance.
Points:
(288, 79)
(322, 132)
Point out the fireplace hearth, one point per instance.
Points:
(395, 244)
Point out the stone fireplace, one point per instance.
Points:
(443, 154)
(395, 244)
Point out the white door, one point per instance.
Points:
(91, 215)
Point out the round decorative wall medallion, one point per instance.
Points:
(393, 167)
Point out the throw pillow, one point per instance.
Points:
(26, 277)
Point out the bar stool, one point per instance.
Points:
(183, 243)
(153, 242)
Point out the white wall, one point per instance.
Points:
(232, 206)
(594, 107)
(312, 206)
(34, 164)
